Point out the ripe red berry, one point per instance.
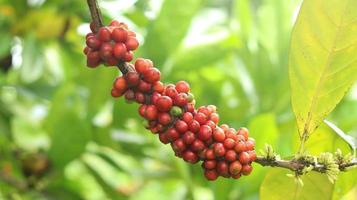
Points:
(128, 56)
(240, 147)
(219, 149)
(104, 34)
(235, 167)
(182, 86)
(218, 134)
(231, 155)
(237, 176)
(92, 27)
(209, 154)
(159, 87)
(243, 131)
(246, 169)
(180, 99)
(211, 124)
(164, 118)
(244, 158)
(152, 75)
(188, 137)
(249, 145)
(181, 126)
(197, 145)
(163, 138)
(142, 110)
(120, 84)
(194, 126)
(172, 134)
(131, 43)
(93, 43)
(115, 93)
(190, 107)
(170, 91)
(119, 35)
(144, 86)
(225, 127)
(119, 50)
(211, 175)
(130, 95)
(132, 78)
(93, 59)
(187, 117)
(151, 112)
(164, 103)
(141, 65)
(205, 132)
(201, 118)
(214, 117)
(178, 145)
(190, 157)
(209, 164)
(106, 51)
(229, 143)
(222, 168)
(139, 97)
(252, 156)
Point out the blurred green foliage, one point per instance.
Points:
(234, 53)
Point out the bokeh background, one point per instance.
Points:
(62, 136)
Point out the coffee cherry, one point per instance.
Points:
(93, 43)
(181, 99)
(205, 132)
(131, 43)
(92, 27)
(151, 112)
(214, 117)
(139, 97)
(182, 86)
(171, 91)
(163, 138)
(209, 154)
(194, 126)
(240, 147)
(144, 86)
(244, 158)
(130, 95)
(209, 164)
(181, 126)
(211, 175)
(104, 34)
(172, 134)
(229, 143)
(235, 167)
(219, 149)
(152, 75)
(252, 156)
(159, 87)
(188, 137)
(120, 84)
(119, 50)
(142, 110)
(105, 51)
(249, 145)
(211, 124)
(200, 118)
(179, 145)
(246, 169)
(187, 117)
(132, 78)
(231, 155)
(176, 111)
(128, 56)
(237, 176)
(190, 157)
(119, 35)
(93, 59)
(115, 93)
(164, 103)
(243, 131)
(197, 145)
(114, 23)
(218, 134)
(164, 118)
(190, 97)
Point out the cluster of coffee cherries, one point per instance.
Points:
(110, 45)
(194, 134)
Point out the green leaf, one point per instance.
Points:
(169, 28)
(322, 63)
(277, 185)
(347, 138)
(346, 181)
(67, 127)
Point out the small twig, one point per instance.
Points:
(95, 13)
(296, 165)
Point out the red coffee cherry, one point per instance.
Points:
(164, 103)
(120, 84)
(219, 149)
(131, 43)
(211, 124)
(194, 126)
(106, 51)
(201, 118)
(237, 176)
(214, 117)
(179, 145)
(246, 169)
(244, 158)
(231, 155)
(209, 164)
(119, 35)
(163, 138)
(139, 97)
(92, 27)
(171, 91)
(209, 154)
(211, 175)
(188, 137)
(205, 132)
(128, 56)
(151, 112)
(141, 65)
(142, 110)
(172, 134)
(182, 86)
(93, 59)
(144, 86)
(152, 75)
(132, 78)
(181, 126)
(115, 93)
(249, 145)
(130, 95)
(229, 143)
(197, 145)
(180, 99)
(222, 168)
(119, 50)
(235, 167)
(252, 155)
(218, 134)
(190, 157)
(93, 43)
(104, 34)
(159, 87)
(164, 118)
(240, 147)
(243, 131)
(187, 117)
